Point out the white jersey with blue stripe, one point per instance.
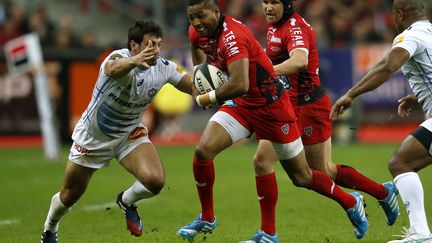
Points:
(417, 40)
(117, 105)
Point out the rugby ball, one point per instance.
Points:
(208, 77)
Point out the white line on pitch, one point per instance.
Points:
(99, 206)
(8, 221)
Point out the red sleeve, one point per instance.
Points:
(236, 45)
(296, 35)
(193, 36)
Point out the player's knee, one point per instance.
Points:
(69, 196)
(397, 166)
(154, 184)
(204, 151)
(263, 164)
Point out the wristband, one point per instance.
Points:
(212, 96)
(197, 100)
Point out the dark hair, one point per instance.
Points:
(207, 3)
(142, 27)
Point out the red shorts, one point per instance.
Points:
(275, 122)
(313, 121)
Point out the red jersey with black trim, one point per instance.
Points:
(233, 41)
(281, 39)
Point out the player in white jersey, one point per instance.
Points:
(411, 51)
(110, 127)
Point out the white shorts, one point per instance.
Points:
(94, 153)
(237, 132)
(425, 135)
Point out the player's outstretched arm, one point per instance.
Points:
(117, 66)
(186, 85)
(379, 74)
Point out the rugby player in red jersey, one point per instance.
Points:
(291, 46)
(254, 102)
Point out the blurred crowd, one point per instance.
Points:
(16, 19)
(338, 23)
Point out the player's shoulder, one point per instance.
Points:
(166, 66)
(296, 20)
(232, 24)
(164, 63)
(416, 32)
(418, 29)
(119, 53)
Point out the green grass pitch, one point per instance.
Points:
(27, 182)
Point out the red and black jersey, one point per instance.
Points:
(281, 39)
(232, 42)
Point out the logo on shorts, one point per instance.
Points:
(80, 149)
(308, 130)
(138, 132)
(285, 129)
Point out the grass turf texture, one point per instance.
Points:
(28, 181)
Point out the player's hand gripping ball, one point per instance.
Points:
(207, 77)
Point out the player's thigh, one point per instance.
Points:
(298, 169)
(222, 130)
(319, 156)
(76, 180)
(144, 162)
(313, 121)
(415, 152)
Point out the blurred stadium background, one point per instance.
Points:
(76, 35)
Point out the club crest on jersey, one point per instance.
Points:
(285, 129)
(152, 92)
(138, 132)
(308, 130)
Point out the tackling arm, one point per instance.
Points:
(379, 74)
(185, 84)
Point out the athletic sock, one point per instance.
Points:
(350, 178)
(135, 193)
(267, 191)
(411, 191)
(56, 211)
(204, 175)
(323, 184)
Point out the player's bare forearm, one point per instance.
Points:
(185, 85)
(119, 67)
(381, 72)
(238, 84)
(372, 80)
(296, 63)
